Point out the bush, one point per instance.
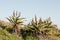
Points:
(4, 35)
(58, 35)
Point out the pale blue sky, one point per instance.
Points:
(28, 8)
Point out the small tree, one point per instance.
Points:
(15, 20)
(40, 27)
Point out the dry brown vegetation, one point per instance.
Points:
(37, 29)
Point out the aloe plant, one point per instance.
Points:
(16, 21)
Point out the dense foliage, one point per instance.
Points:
(37, 29)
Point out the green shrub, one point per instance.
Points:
(4, 35)
(58, 35)
(31, 38)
